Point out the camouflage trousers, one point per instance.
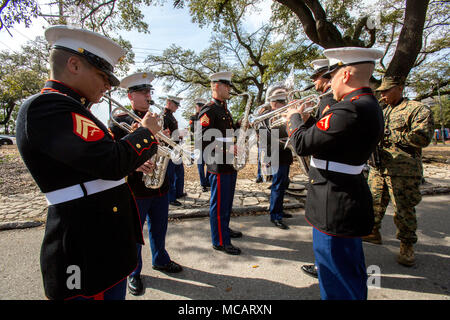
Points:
(404, 194)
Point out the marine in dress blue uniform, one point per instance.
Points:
(193, 124)
(321, 85)
(92, 224)
(216, 145)
(153, 204)
(280, 167)
(339, 203)
(175, 170)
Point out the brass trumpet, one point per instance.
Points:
(164, 153)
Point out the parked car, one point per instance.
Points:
(7, 140)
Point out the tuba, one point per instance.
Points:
(242, 142)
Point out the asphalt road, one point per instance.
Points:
(269, 267)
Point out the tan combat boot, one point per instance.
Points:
(406, 256)
(374, 237)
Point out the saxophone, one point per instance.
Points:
(242, 143)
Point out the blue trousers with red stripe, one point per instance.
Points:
(341, 267)
(222, 193)
(116, 292)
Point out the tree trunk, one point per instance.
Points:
(314, 21)
(410, 40)
(325, 34)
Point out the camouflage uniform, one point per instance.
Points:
(408, 129)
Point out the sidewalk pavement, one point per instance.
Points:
(267, 269)
(29, 210)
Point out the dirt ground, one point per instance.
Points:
(15, 178)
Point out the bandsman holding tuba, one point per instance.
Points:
(217, 139)
(153, 204)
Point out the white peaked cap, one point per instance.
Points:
(319, 64)
(96, 45)
(351, 55)
(174, 98)
(200, 100)
(224, 76)
(282, 95)
(136, 81)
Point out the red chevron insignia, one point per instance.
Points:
(324, 123)
(86, 129)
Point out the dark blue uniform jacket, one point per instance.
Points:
(63, 145)
(337, 203)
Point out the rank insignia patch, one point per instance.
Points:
(324, 123)
(86, 129)
(326, 109)
(204, 120)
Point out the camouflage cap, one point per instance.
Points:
(390, 82)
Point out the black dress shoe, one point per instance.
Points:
(171, 267)
(259, 180)
(287, 215)
(230, 249)
(205, 189)
(175, 203)
(182, 195)
(279, 224)
(310, 270)
(135, 286)
(235, 234)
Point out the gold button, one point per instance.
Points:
(115, 209)
(145, 140)
(138, 145)
(312, 180)
(153, 138)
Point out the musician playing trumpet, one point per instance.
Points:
(322, 85)
(153, 204)
(92, 223)
(280, 167)
(339, 203)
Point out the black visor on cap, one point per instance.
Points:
(224, 81)
(334, 67)
(95, 61)
(318, 72)
(140, 87)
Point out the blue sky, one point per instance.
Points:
(167, 26)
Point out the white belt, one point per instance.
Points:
(230, 139)
(75, 191)
(336, 166)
